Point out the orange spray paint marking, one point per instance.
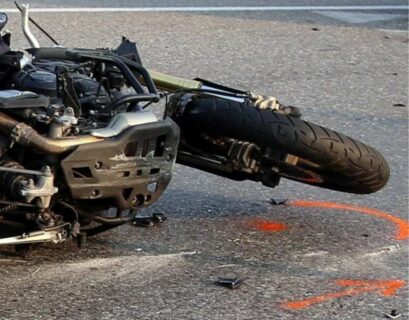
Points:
(403, 225)
(384, 287)
(266, 225)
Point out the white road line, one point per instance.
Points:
(359, 17)
(213, 9)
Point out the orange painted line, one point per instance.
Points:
(266, 225)
(389, 287)
(403, 225)
(384, 287)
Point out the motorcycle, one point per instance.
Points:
(80, 153)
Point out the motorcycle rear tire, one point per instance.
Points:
(343, 163)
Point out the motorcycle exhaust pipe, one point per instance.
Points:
(27, 136)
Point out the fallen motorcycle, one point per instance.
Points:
(80, 153)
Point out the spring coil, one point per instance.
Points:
(8, 208)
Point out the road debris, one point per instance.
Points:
(156, 218)
(13, 260)
(278, 202)
(231, 283)
(393, 315)
(38, 269)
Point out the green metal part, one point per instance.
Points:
(171, 83)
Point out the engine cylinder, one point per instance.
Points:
(41, 82)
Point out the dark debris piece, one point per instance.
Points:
(156, 218)
(278, 202)
(142, 222)
(231, 283)
(159, 218)
(393, 315)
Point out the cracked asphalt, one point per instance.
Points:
(350, 77)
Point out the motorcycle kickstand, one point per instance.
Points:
(82, 238)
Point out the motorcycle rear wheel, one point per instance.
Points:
(327, 158)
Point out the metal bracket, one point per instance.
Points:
(43, 190)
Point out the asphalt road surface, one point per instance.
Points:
(347, 70)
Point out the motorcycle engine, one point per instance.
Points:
(129, 165)
(43, 79)
(74, 142)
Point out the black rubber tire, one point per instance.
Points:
(346, 164)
